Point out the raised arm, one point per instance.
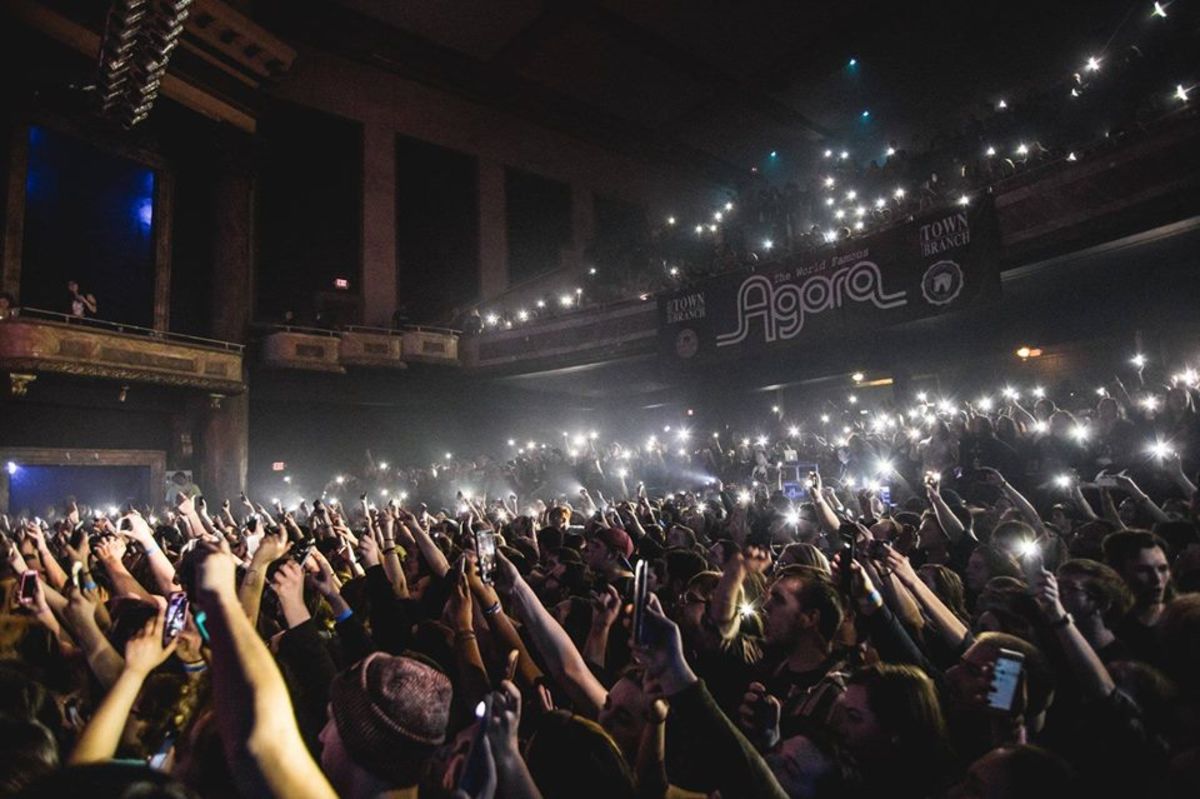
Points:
(949, 626)
(263, 746)
(1089, 672)
(564, 661)
(949, 523)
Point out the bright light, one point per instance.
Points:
(922, 396)
(774, 153)
(914, 433)
(829, 181)
(986, 404)
(851, 195)
(743, 497)
(531, 445)
(844, 154)
(579, 441)
(1102, 392)
(541, 303)
(761, 441)
(1138, 360)
(946, 406)
(884, 467)
(699, 228)
(964, 199)
(716, 435)
(852, 399)
(593, 435)
(1027, 548)
(10, 467)
(898, 194)
(793, 431)
(572, 452)
(1071, 156)
(683, 435)
(859, 225)
(828, 153)
(824, 418)
(860, 211)
(717, 217)
(774, 409)
(1010, 393)
(566, 300)
(1150, 403)
(728, 206)
(1080, 433)
(339, 480)
(839, 214)
(745, 442)
(113, 510)
(857, 377)
(383, 464)
(449, 456)
(622, 472)
(829, 201)
(1093, 64)
(792, 518)
(591, 271)
(865, 114)
(1181, 94)
(853, 62)
(1039, 392)
(1001, 105)
(1024, 352)
(274, 500)
(403, 495)
(651, 442)
(1022, 149)
(1063, 481)
(1040, 426)
(670, 220)
(712, 228)
(747, 608)
(990, 151)
(493, 320)
(287, 478)
(830, 236)
(890, 151)
(768, 244)
(1161, 450)
(1159, 11)
(383, 492)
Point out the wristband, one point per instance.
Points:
(90, 585)
(345, 614)
(493, 610)
(150, 550)
(386, 550)
(193, 668)
(875, 598)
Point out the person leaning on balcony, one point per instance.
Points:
(82, 305)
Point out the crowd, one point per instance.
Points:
(967, 600)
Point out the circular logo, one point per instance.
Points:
(686, 343)
(942, 283)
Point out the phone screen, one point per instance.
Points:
(1005, 676)
(177, 607)
(1031, 563)
(29, 586)
(485, 549)
(641, 591)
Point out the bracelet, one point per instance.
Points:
(345, 614)
(90, 585)
(875, 598)
(150, 550)
(493, 610)
(192, 668)
(386, 550)
(1062, 622)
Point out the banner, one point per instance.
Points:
(938, 263)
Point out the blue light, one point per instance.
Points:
(866, 115)
(774, 154)
(145, 213)
(10, 467)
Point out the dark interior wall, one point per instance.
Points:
(538, 212)
(89, 216)
(309, 209)
(437, 229)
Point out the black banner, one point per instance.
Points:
(938, 263)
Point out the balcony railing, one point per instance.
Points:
(35, 341)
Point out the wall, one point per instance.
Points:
(386, 105)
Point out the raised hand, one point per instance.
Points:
(145, 651)
(759, 715)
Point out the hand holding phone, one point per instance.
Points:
(176, 616)
(485, 552)
(641, 593)
(1006, 679)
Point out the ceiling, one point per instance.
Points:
(720, 84)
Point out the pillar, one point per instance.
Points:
(378, 288)
(493, 230)
(225, 446)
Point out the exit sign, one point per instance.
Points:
(341, 283)
(278, 466)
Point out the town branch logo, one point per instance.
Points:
(942, 283)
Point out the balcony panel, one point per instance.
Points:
(32, 344)
(375, 348)
(295, 349)
(431, 345)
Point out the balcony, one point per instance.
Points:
(320, 350)
(34, 341)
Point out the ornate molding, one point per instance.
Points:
(32, 345)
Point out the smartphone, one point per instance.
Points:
(1006, 675)
(28, 590)
(1031, 562)
(485, 551)
(1106, 481)
(877, 550)
(176, 618)
(848, 533)
(641, 591)
(301, 550)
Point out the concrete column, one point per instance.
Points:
(233, 255)
(225, 446)
(378, 288)
(493, 230)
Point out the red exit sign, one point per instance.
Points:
(278, 466)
